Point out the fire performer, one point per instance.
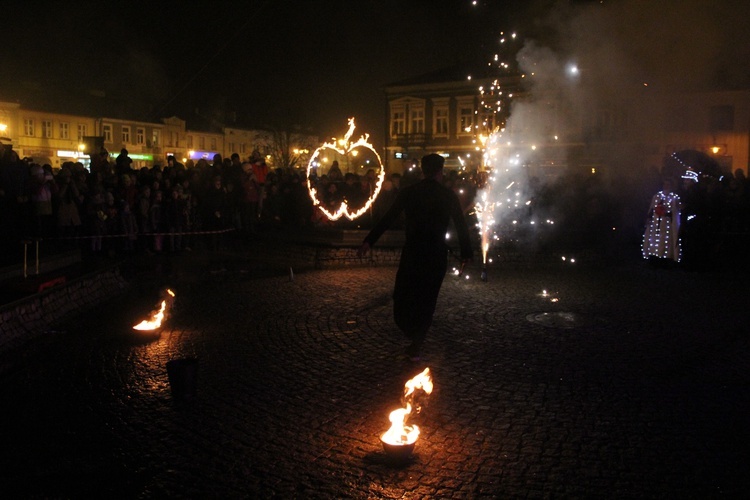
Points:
(429, 207)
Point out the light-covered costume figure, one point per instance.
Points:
(661, 238)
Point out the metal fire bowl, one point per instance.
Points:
(398, 452)
(145, 336)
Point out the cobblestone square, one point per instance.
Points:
(618, 382)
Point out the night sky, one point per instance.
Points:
(316, 63)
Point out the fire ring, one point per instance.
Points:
(559, 319)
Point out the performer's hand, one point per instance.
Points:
(362, 251)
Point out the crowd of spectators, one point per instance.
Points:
(110, 208)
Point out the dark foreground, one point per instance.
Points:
(634, 383)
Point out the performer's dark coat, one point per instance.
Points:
(428, 206)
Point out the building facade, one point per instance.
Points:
(444, 113)
(55, 138)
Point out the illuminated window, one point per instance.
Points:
(465, 120)
(47, 129)
(156, 138)
(126, 134)
(140, 135)
(64, 130)
(398, 123)
(107, 132)
(81, 131)
(440, 122)
(416, 119)
(28, 127)
(488, 122)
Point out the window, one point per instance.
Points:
(230, 146)
(416, 119)
(722, 118)
(126, 134)
(64, 130)
(440, 123)
(81, 131)
(398, 123)
(28, 127)
(156, 138)
(189, 142)
(107, 132)
(488, 122)
(201, 143)
(140, 135)
(465, 119)
(47, 129)
(213, 143)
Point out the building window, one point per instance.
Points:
(398, 123)
(81, 131)
(416, 118)
(126, 134)
(47, 129)
(156, 138)
(64, 130)
(28, 127)
(201, 143)
(488, 122)
(465, 120)
(722, 118)
(213, 143)
(190, 142)
(107, 132)
(440, 122)
(140, 135)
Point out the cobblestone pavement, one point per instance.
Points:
(619, 382)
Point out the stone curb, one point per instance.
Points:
(28, 317)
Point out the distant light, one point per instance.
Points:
(573, 69)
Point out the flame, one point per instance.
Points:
(399, 433)
(343, 147)
(155, 321)
(157, 316)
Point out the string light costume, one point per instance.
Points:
(661, 238)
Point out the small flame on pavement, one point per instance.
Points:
(157, 317)
(399, 433)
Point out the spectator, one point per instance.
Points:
(68, 202)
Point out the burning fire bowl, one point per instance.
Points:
(398, 452)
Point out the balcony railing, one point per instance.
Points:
(411, 140)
